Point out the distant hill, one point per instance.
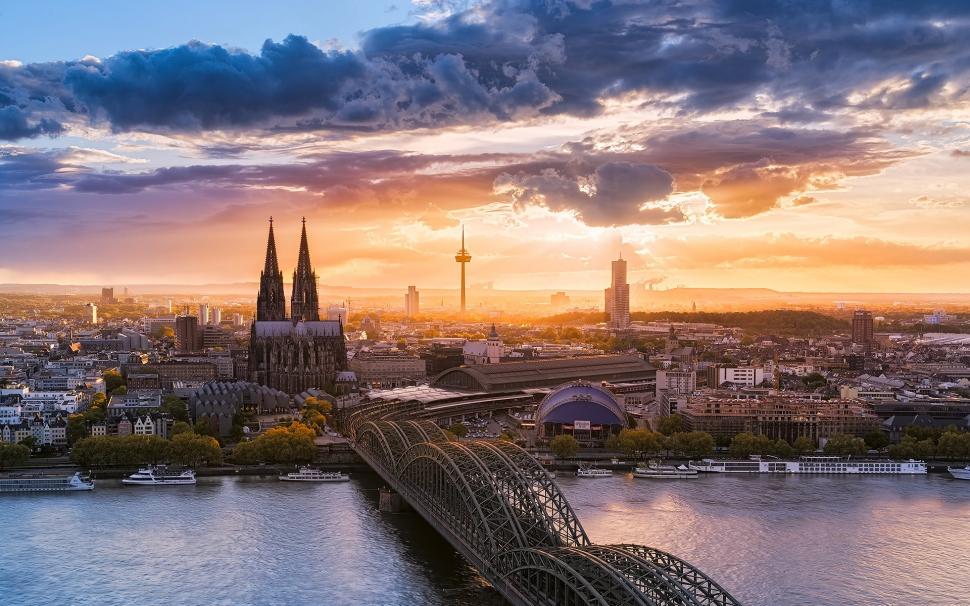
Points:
(782, 322)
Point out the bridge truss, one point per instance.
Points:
(501, 509)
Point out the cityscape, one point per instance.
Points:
(485, 302)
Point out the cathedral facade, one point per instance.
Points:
(296, 352)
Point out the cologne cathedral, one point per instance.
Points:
(301, 351)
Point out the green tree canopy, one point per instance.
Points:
(844, 445)
(876, 439)
(564, 446)
(112, 379)
(13, 454)
(460, 430)
(803, 445)
(176, 407)
(693, 444)
(670, 425)
(634, 441)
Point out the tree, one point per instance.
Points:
(180, 427)
(746, 444)
(459, 429)
(194, 450)
(844, 445)
(783, 449)
(954, 445)
(564, 446)
(112, 379)
(290, 444)
(693, 444)
(30, 442)
(671, 424)
(204, 428)
(176, 407)
(77, 427)
(905, 449)
(634, 441)
(876, 439)
(12, 454)
(803, 445)
(814, 381)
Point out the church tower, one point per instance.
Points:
(303, 303)
(271, 303)
(493, 347)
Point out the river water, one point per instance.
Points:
(773, 541)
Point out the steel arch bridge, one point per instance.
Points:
(501, 510)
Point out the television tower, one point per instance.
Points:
(463, 257)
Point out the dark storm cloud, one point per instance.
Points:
(745, 167)
(508, 59)
(15, 125)
(612, 195)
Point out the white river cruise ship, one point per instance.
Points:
(45, 483)
(820, 464)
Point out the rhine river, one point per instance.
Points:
(772, 541)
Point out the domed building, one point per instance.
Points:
(586, 411)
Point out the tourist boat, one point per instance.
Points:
(960, 473)
(593, 472)
(45, 483)
(814, 464)
(309, 474)
(160, 476)
(655, 471)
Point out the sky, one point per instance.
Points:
(802, 146)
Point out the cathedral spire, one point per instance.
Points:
(271, 302)
(303, 303)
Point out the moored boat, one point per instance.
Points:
(656, 471)
(960, 473)
(160, 475)
(17, 483)
(310, 474)
(812, 465)
(593, 472)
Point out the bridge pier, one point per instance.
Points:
(391, 502)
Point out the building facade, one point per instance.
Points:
(300, 352)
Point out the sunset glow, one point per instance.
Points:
(713, 144)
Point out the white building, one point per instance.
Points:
(740, 375)
(489, 351)
(93, 318)
(203, 314)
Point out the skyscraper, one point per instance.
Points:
(188, 336)
(303, 303)
(94, 313)
(411, 302)
(463, 258)
(216, 316)
(862, 329)
(618, 296)
(203, 314)
(107, 296)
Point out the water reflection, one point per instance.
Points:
(769, 540)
